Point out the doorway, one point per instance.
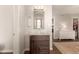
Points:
(53, 24)
(75, 27)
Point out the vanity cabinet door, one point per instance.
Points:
(39, 44)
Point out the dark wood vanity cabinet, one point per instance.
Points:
(39, 44)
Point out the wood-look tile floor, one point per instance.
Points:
(67, 47)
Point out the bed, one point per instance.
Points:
(67, 34)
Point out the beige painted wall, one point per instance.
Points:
(6, 28)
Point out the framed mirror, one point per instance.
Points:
(38, 18)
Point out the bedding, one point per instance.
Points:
(67, 34)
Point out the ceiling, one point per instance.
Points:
(65, 9)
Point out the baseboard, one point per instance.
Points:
(51, 49)
(6, 52)
(27, 51)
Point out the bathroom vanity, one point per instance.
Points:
(39, 44)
